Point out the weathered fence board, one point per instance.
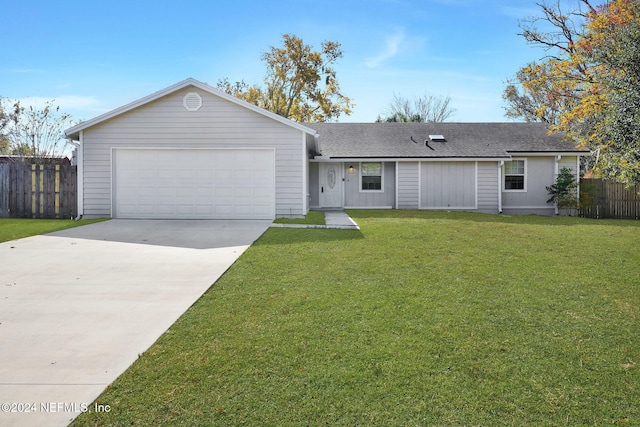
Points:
(4, 188)
(38, 191)
(601, 198)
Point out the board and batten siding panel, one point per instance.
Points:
(488, 187)
(408, 176)
(217, 124)
(448, 185)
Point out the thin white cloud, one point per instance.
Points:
(390, 49)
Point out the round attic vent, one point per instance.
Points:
(192, 101)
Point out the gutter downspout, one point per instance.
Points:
(316, 140)
(500, 166)
(79, 175)
(556, 171)
(305, 175)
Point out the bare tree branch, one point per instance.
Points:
(426, 108)
(35, 133)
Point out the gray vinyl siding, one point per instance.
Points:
(570, 162)
(539, 175)
(448, 185)
(408, 185)
(96, 181)
(218, 124)
(488, 187)
(355, 197)
(314, 185)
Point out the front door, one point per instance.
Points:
(330, 185)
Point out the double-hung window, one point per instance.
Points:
(371, 176)
(515, 175)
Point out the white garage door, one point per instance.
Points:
(194, 183)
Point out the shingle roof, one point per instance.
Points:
(463, 140)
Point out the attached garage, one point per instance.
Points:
(194, 183)
(191, 151)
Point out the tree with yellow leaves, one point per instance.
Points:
(611, 106)
(300, 83)
(543, 90)
(589, 86)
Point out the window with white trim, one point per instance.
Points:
(371, 176)
(515, 175)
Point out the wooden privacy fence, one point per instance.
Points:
(601, 198)
(38, 191)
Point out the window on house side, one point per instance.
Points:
(514, 175)
(371, 176)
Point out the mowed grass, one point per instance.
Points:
(418, 319)
(17, 228)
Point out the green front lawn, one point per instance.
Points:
(17, 228)
(418, 319)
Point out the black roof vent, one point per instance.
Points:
(426, 142)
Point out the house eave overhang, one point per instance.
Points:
(548, 153)
(412, 159)
(73, 133)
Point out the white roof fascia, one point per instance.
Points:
(547, 153)
(321, 159)
(69, 133)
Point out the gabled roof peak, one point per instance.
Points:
(73, 132)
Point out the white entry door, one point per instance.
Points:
(330, 185)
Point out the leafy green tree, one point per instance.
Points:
(300, 83)
(564, 191)
(425, 108)
(616, 133)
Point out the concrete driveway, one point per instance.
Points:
(78, 306)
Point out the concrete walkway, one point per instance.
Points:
(333, 219)
(78, 306)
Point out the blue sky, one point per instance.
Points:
(94, 56)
